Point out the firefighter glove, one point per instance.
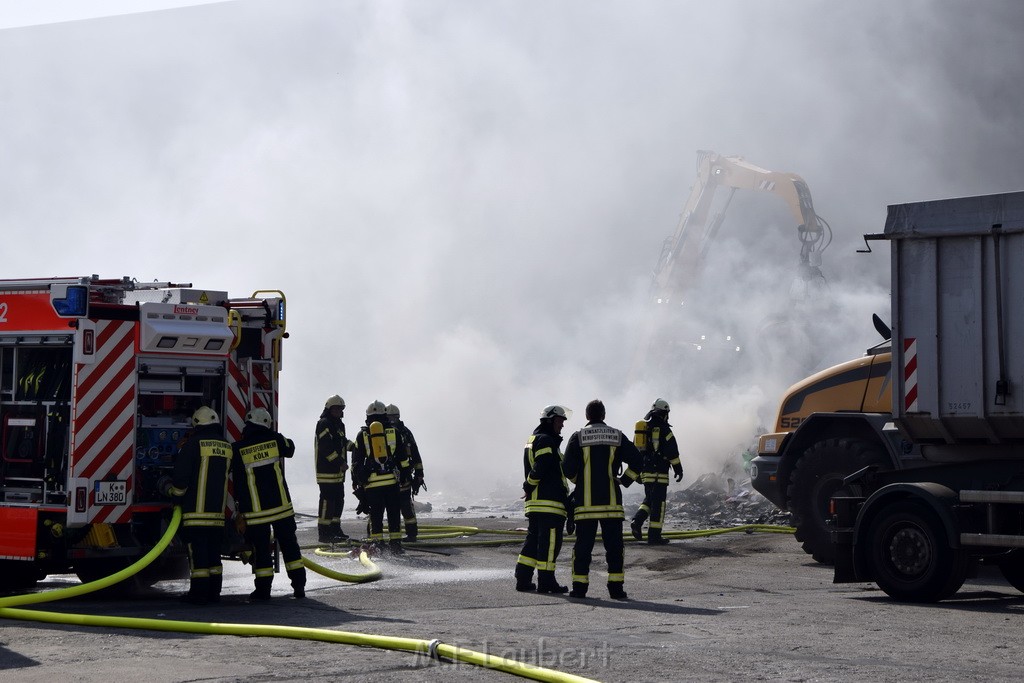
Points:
(625, 481)
(570, 525)
(679, 473)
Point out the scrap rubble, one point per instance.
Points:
(713, 501)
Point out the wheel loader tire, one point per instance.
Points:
(818, 476)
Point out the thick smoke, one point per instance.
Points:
(463, 201)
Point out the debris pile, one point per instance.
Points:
(713, 501)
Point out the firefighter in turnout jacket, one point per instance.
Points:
(658, 446)
(200, 483)
(593, 461)
(331, 448)
(263, 501)
(379, 467)
(411, 487)
(547, 498)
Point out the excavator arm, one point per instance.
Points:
(683, 254)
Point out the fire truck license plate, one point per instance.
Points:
(111, 493)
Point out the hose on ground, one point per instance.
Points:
(431, 648)
(430, 536)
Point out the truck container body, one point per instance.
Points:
(958, 315)
(957, 497)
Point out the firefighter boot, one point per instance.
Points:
(411, 530)
(216, 581)
(298, 578)
(615, 591)
(546, 583)
(654, 537)
(637, 525)
(524, 578)
(579, 590)
(198, 591)
(395, 546)
(262, 591)
(323, 533)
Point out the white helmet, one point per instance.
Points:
(555, 411)
(335, 401)
(376, 408)
(660, 404)
(259, 416)
(205, 416)
(392, 410)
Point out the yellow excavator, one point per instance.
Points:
(684, 253)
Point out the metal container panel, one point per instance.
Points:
(958, 318)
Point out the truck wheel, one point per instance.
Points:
(1012, 568)
(818, 476)
(911, 558)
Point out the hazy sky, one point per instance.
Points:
(463, 200)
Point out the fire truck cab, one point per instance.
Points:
(98, 381)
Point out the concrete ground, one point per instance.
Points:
(723, 608)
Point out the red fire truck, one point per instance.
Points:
(98, 382)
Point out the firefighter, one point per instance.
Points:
(331, 447)
(593, 461)
(200, 483)
(547, 497)
(379, 468)
(263, 501)
(411, 487)
(658, 446)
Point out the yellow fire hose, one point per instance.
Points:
(431, 535)
(432, 648)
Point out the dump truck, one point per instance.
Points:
(98, 381)
(941, 489)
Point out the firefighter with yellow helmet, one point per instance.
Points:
(547, 498)
(660, 450)
(200, 482)
(331, 449)
(379, 467)
(261, 494)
